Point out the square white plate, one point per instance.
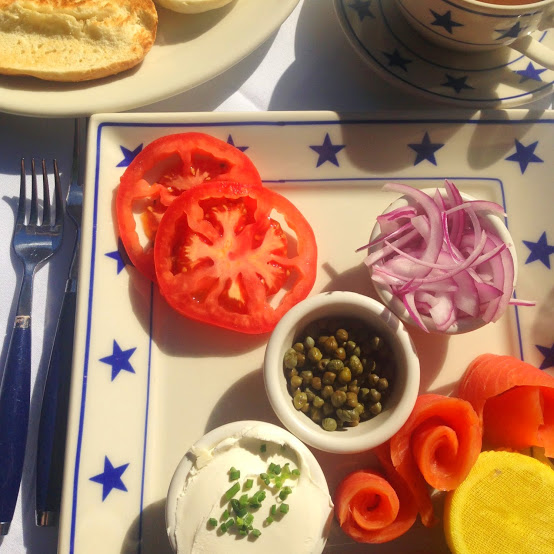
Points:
(129, 427)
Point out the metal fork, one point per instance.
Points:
(33, 243)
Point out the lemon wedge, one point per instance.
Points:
(505, 505)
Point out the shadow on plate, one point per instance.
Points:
(148, 528)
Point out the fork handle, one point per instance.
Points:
(14, 417)
(53, 415)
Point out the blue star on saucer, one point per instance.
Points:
(232, 143)
(548, 353)
(540, 250)
(530, 72)
(128, 155)
(119, 360)
(120, 256)
(425, 150)
(457, 83)
(524, 155)
(396, 60)
(445, 20)
(110, 478)
(362, 7)
(327, 151)
(512, 32)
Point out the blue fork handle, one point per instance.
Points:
(53, 415)
(14, 417)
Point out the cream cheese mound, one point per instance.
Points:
(302, 531)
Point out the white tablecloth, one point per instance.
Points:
(307, 65)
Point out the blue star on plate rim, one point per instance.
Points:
(502, 78)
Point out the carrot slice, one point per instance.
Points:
(514, 401)
(370, 510)
(437, 446)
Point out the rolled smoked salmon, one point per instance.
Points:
(514, 401)
(371, 509)
(437, 446)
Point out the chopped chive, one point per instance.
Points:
(243, 532)
(283, 494)
(263, 448)
(256, 533)
(212, 522)
(243, 500)
(223, 528)
(274, 468)
(296, 472)
(273, 509)
(268, 520)
(284, 508)
(225, 515)
(232, 491)
(278, 482)
(248, 519)
(234, 474)
(229, 523)
(240, 522)
(248, 484)
(261, 495)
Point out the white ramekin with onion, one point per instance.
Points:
(442, 260)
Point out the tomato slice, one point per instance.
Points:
(159, 174)
(224, 256)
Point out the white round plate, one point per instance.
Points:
(384, 39)
(189, 50)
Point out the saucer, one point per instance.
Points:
(501, 78)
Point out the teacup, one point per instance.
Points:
(473, 25)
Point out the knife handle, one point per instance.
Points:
(53, 415)
(14, 418)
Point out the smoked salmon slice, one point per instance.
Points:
(372, 509)
(437, 447)
(514, 401)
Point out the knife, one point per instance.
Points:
(55, 400)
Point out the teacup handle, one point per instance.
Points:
(535, 50)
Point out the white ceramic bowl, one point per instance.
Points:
(490, 222)
(399, 405)
(188, 507)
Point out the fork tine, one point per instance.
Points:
(45, 195)
(20, 217)
(33, 217)
(58, 195)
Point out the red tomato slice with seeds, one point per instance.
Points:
(159, 174)
(235, 256)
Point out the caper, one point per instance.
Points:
(327, 391)
(309, 342)
(329, 424)
(310, 394)
(376, 408)
(290, 373)
(382, 384)
(351, 399)
(329, 378)
(307, 377)
(295, 381)
(353, 387)
(306, 408)
(347, 415)
(315, 414)
(321, 340)
(349, 346)
(316, 383)
(341, 335)
(357, 351)
(374, 395)
(314, 354)
(290, 360)
(373, 379)
(343, 388)
(298, 347)
(359, 409)
(322, 364)
(376, 343)
(318, 401)
(345, 376)
(300, 359)
(327, 409)
(353, 423)
(300, 400)
(330, 345)
(338, 398)
(355, 365)
(363, 394)
(340, 353)
(335, 365)
(369, 365)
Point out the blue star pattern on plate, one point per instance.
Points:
(512, 32)
(120, 256)
(128, 155)
(119, 360)
(457, 83)
(530, 72)
(548, 353)
(445, 20)
(232, 143)
(327, 151)
(396, 60)
(362, 7)
(110, 478)
(524, 155)
(540, 250)
(425, 150)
